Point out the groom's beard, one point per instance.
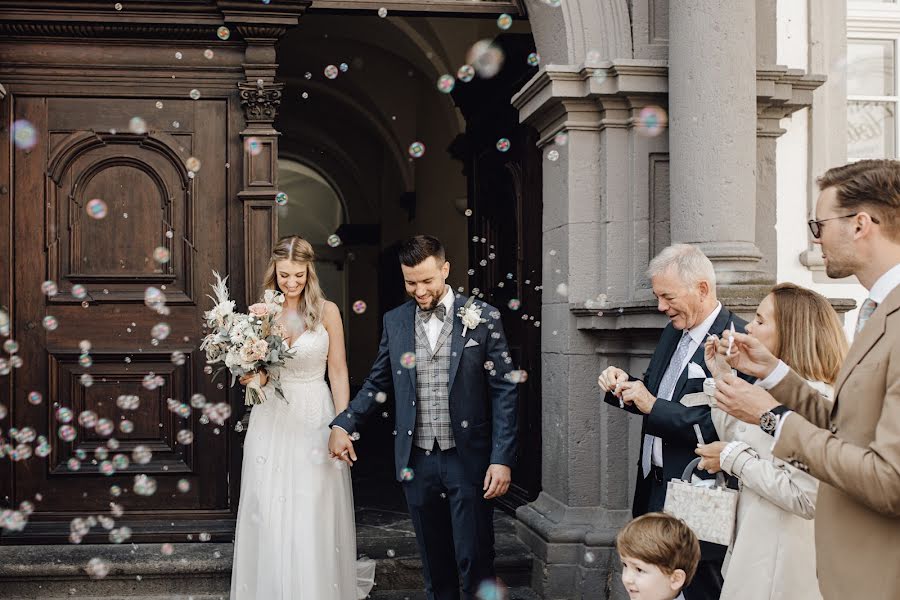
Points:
(431, 305)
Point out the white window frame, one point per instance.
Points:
(878, 21)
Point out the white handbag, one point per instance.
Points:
(710, 512)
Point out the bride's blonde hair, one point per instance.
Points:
(312, 299)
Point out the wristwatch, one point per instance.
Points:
(768, 422)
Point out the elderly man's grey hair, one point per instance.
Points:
(691, 265)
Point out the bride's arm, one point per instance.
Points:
(337, 358)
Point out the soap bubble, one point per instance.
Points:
(486, 57)
(87, 419)
(144, 485)
(651, 121)
(141, 455)
(331, 72)
(407, 474)
(466, 73)
(417, 150)
(24, 134)
(382, 12)
(534, 59)
(334, 240)
(253, 145)
(66, 433)
(184, 486)
(504, 21)
(192, 164)
(359, 307)
(64, 414)
(185, 437)
(503, 145)
(160, 331)
(96, 568)
(104, 427)
(553, 156)
(137, 125)
(96, 208)
(35, 398)
(194, 94)
(50, 323)
(223, 33)
(408, 360)
(281, 199)
(48, 288)
(446, 83)
(514, 304)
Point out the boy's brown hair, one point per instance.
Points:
(660, 539)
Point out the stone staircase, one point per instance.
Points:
(202, 571)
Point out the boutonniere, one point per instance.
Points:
(470, 315)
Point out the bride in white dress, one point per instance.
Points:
(296, 535)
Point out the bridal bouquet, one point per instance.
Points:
(246, 343)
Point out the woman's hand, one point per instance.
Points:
(709, 456)
(263, 378)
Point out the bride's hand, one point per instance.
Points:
(263, 378)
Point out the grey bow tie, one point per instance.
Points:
(439, 311)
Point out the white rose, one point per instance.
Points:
(471, 318)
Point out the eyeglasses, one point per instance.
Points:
(815, 227)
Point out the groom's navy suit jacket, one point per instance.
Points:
(483, 407)
(672, 421)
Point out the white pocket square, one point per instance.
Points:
(695, 371)
(471, 343)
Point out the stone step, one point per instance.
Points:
(203, 570)
(517, 593)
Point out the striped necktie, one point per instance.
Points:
(865, 311)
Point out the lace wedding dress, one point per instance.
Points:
(296, 535)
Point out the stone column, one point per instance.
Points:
(712, 134)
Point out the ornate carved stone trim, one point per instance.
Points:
(108, 30)
(260, 100)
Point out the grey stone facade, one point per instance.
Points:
(615, 197)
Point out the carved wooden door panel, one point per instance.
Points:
(109, 208)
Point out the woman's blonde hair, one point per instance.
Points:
(312, 299)
(810, 336)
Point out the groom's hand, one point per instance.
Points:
(340, 446)
(496, 481)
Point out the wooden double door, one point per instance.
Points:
(118, 213)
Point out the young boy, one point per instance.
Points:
(659, 556)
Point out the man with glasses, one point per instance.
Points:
(853, 444)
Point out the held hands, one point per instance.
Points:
(263, 378)
(709, 456)
(340, 446)
(748, 354)
(742, 400)
(496, 481)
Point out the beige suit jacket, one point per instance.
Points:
(853, 447)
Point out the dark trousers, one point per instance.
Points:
(707, 582)
(454, 525)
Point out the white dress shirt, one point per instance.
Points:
(879, 292)
(698, 338)
(434, 325)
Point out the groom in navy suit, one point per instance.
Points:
(446, 360)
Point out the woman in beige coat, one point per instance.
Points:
(772, 556)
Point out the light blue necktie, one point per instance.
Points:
(865, 311)
(666, 389)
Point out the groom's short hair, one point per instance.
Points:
(416, 250)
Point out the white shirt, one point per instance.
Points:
(879, 293)
(434, 325)
(698, 337)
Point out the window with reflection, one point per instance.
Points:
(314, 211)
(872, 98)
